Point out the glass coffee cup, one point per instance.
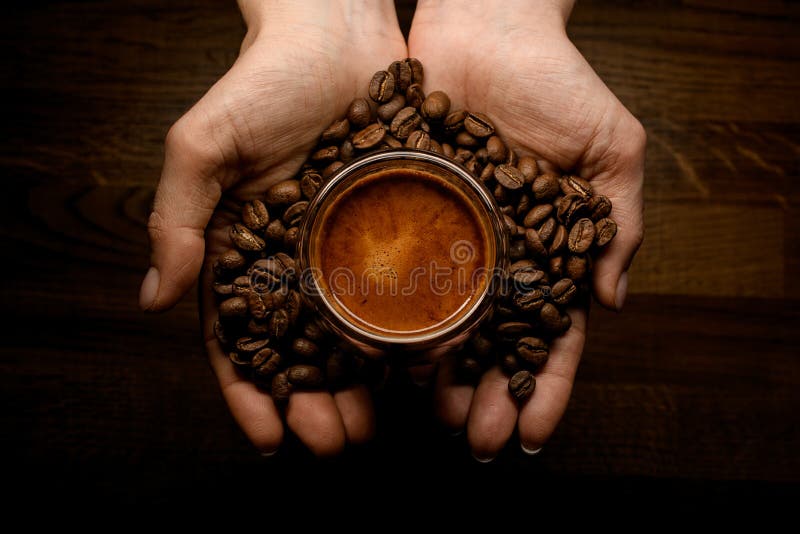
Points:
(402, 250)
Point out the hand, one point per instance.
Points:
(299, 67)
(515, 63)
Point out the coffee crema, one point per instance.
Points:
(402, 251)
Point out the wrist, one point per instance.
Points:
(543, 14)
(350, 15)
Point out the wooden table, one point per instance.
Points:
(693, 391)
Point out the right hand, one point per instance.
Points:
(299, 67)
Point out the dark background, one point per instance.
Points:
(690, 396)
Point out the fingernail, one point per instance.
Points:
(622, 291)
(149, 290)
(267, 454)
(529, 452)
(483, 460)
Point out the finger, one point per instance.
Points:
(492, 417)
(451, 399)
(358, 416)
(540, 414)
(314, 417)
(624, 189)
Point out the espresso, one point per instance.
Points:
(402, 251)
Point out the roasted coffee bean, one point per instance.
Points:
(244, 239)
(545, 187)
(547, 229)
(336, 132)
(229, 261)
(313, 331)
(387, 111)
(529, 169)
(563, 291)
(513, 328)
(241, 360)
(310, 183)
(467, 140)
(219, 331)
(497, 150)
(436, 106)
(581, 236)
(369, 137)
(507, 210)
(556, 265)
(516, 250)
(392, 142)
(448, 150)
(521, 385)
(468, 369)
(528, 301)
(481, 346)
(551, 317)
(559, 242)
(256, 327)
(401, 71)
(575, 184)
(381, 87)
(533, 351)
(509, 177)
(478, 124)
(406, 121)
(288, 264)
(512, 158)
(576, 267)
(281, 389)
(454, 121)
(605, 229)
(534, 243)
(241, 286)
(305, 348)
(325, 155)
(294, 213)
(599, 207)
(566, 322)
(510, 364)
(255, 215)
(501, 194)
(305, 376)
(294, 305)
(278, 323)
(283, 193)
(417, 72)
(523, 205)
(359, 113)
(523, 265)
(328, 171)
(419, 140)
(222, 289)
(482, 155)
(250, 345)
(275, 231)
(266, 362)
(537, 215)
(415, 96)
(436, 147)
(262, 304)
(526, 279)
(291, 237)
(233, 307)
(347, 151)
(511, 226)
(463, 155)
(571, 208)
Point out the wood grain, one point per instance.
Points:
(693, 391)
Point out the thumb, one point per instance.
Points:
(187, 195)
(623, 186)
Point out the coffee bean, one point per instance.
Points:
(482, 155)
(575, 184)
(347, 151)
(417, 72)
(533, 351)
(294, 213)
(278, 323)
(529, 300)
(581, 236)
(556, 264)
(537, 215)
(415, 96)
(502, 195)
(545, 187)
(513, 328)
(523, 205)
(448, 150)
(516, 249)
(241, 360)
(369, 137)
(233, 307)
(275, 231)
(571, 208)
(244, 239)
(310, 183)
(566, 322)
(419, 140)
(359, 113)
(283, 193)
(468, 369)
(576, 267)
(255, 215)
(510, 225)
(436, 147)
(256, 327)
(219, 332)
(481, 346)
(605, 229)
(262, 304)
(325, 155)
(291, 237)
(387, 111)
(529, 169)
(406, 121)
(313, 331)
(510, 364)
(241, 286)
(512, 158)
(478, 124)
(401, 71)
(599, 207)
(454, 121)
(563, 291)
(436, 106)
(336, 132)
(294, 305)
(497, 150)
(229, 261)
(250, 345)
(305, 348)
(222, 289)
(509, 177)
(392, 142)
(547, 229)
(381, 87)
(281, 389)
(304, 376)
(521, 385)
(559, 242)
(266, 363)
(467, 140)
(534, 243)
(551, 317)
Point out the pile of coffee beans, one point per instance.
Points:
(555, 224)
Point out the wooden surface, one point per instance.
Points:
(694, 391)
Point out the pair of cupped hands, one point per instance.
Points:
(300, 65)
